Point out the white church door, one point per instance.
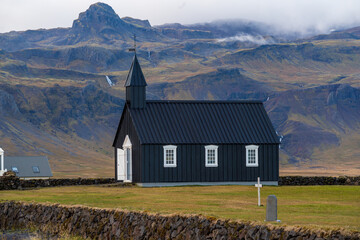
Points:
(127, 162)
(120, 164)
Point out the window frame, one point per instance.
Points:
(252, 147)
(207, 148)
(173, 148)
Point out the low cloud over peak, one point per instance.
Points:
(301, 16)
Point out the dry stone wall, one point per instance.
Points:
(303, 181)
(92, 223)
(12, 182)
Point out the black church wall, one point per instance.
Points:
(191, 164)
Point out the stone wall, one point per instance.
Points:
(302, 181)
(12, 182)
(93, 223)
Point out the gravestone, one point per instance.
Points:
(271, 208)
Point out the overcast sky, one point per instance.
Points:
(298, 15)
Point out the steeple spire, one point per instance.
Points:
(135, 76)
(135, 86)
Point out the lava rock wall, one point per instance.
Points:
(93, 223)
(303, 181)
(12, 182)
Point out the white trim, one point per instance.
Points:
(211, 147)
(127, 142)
(170, 148)
(34, 178)
(172, 184)
(249, 148)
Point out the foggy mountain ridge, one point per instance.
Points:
(101, 25)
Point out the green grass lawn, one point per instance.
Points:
(310, 206)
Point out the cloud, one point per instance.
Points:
(302, 16)
(247, 38)
(183, 4)
(305, 16)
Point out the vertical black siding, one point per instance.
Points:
(191, 164)
(136, 96)
(127, 128)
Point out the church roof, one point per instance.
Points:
(203, 122)
(135, 76)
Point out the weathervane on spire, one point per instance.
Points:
(134, 48)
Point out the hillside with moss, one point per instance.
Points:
(55, 100)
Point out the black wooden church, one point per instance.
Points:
(168, 143)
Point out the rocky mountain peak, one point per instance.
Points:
(96, 17)
(101, 8)
(100, 23)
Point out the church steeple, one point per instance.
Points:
(135, 86)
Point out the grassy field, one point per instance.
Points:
(326, 207)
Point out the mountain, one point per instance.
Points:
(234, 85)
(302, 65)
(101, 25)
(97, 25)
(320, 117)
(73, 126)
(352, 33)
(55, 98)
(226, 28)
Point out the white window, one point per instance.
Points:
(211, 156)
(252, 156)
(170, 156)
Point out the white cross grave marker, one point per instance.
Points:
(258, 185)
